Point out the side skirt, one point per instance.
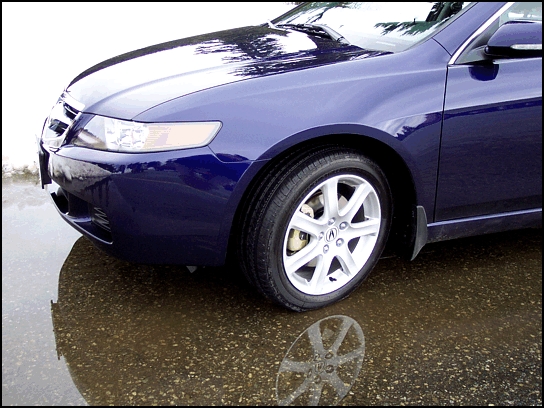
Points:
(466, 227)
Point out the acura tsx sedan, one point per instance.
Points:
(301, 147)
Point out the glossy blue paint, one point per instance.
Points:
(265, 116)
(155, 202)
(491, 155)
(470, 135)
(124, 86)
(517, 32)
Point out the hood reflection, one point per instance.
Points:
(144, 335)
(131, 83)
(230, 46)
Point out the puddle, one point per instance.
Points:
(462, 324)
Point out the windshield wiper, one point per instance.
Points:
(319, 30)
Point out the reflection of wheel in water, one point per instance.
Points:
(322, 364)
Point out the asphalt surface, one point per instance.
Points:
(460, 325)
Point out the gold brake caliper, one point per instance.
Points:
(299, 239)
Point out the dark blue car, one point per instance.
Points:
(300, 148)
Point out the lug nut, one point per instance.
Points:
(343, 226)
(339, 242)
(325, 249)
(321, 235)
(332, 221)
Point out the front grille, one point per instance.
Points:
(99, 218)
(62, 116)
(70, 111)
(57, 126)
(81, 214)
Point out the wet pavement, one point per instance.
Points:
(460, 325)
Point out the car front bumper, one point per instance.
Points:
(164, 207)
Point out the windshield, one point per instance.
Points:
(390, 27)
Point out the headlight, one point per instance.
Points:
(122, 136)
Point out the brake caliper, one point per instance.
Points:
(299, 239)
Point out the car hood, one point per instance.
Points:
(129, 84)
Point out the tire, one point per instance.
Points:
(315, 228)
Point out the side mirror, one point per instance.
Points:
(516, 39)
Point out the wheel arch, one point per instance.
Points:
(395, 167)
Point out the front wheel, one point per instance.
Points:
(317, 228)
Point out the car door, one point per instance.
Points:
(491, 146)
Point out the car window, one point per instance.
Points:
(391, 27)
(531, 11)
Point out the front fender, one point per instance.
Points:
(396, 100)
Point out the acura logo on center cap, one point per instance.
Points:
(331, 234)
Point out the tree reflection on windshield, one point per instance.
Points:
(377, 26)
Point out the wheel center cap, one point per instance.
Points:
(331, 234)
